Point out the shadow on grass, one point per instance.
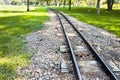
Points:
(7, 11)
(39, 10)
(14, 27)
(8, 72)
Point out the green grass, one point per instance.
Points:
(15, 24)
(108, 20)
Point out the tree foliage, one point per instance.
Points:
(90, 3)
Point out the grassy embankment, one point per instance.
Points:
(108, 20)
(15, 23)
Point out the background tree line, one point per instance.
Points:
(64, 3)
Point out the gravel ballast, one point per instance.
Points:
(44, 45)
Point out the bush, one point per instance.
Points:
(13, 3)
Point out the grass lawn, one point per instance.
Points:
(15, 24)
(108, 20)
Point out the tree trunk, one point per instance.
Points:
(98, 6)
(64, 3)
(28, 3)
(47, 2)
(41, 3)
(110, 4)
(58, 3)
(78, 2)
(69, 5)
(97, 3)
(55, 2)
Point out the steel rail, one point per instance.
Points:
(104, 65)
(79, 77)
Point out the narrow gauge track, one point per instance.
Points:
(102, 63)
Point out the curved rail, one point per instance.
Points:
(72, 52)
(104, 65)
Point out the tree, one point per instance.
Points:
(69, 5)
(28, 3)
(98, 6)
(64, 3)
(58, 3)
(98, 1)
(47, 2)
(76, 2)
(6, 1)
(110, 4)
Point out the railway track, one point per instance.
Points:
(89, 55)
